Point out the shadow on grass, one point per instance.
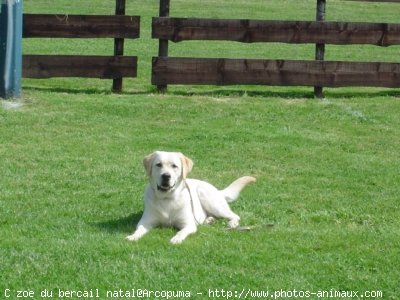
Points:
(87, 91)
(288, 94)
(124, 224)
(228, 92)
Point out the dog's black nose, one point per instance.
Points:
(165, 177)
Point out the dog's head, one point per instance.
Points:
(167, 170)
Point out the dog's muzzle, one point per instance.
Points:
(165, 183)
(163, 188)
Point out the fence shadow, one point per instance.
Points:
(226, 92)
(245, 93)
(289, 94)
(364, 94)
(88, 91)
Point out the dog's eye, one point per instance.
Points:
(174, 166)
(158, 165)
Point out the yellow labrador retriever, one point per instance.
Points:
(171, 199)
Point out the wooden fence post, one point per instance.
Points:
(320, 48)
(163, 44)
(118, 46)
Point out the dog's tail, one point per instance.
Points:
(231, 193)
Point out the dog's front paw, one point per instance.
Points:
(233, 223)
(209, 220)
(133, 237)
(176, 240)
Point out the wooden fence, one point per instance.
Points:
(114, 67)
(216, 71)
(175, 70)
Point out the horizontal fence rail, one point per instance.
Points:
(105, 67)
(116, 67)
(219, 71)
(249, 31)
(80, 26)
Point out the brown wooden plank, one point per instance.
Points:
(273, 72)
(248, 31)
(80, 26)
(106, 67)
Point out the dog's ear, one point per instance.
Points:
(148, 163)
(187, 165)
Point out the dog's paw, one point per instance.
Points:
(133, 237)
(176, 240)
(209, 220)
(233, 223)
(179, 238)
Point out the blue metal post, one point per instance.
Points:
(10, 48)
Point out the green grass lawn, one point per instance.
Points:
(324, 211)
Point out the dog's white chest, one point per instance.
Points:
(170, 211)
